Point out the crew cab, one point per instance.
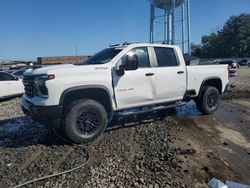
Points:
(122, 80)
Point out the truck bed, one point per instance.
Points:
(196, 75)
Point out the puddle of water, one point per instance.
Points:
(226, 122)
(234, 136)
(20, 131)
(15, 125)
(188, 110)
(244, 103)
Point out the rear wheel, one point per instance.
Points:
(85, 121)
(209, 100)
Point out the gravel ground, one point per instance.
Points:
(138, 154)
(140, 157)
(10, 109)
(240, 85)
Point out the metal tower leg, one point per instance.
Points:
(168, 27)
(173, 22)
(152, 22)
(165, 26)
(183, 27)
(188, 27)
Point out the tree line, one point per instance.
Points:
(232, 40)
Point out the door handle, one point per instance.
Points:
(149, 74)
(180, 72)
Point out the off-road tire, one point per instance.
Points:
(209, 100)
(80, 116)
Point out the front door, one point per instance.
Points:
(135, 87)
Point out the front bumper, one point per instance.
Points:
(44, 114)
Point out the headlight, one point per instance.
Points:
(40, 84)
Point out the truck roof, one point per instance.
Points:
(124, 45)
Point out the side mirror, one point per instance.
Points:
(131, 62)
(16, 78)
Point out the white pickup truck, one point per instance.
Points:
(10, 86)
(120, 80)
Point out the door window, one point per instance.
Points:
(166, 57)
(1, 77)
(142, 54)
(6, 77)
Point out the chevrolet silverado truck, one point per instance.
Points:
(120, 80)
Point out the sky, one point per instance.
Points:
(34, 28)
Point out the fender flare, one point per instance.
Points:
(85, 87)
(210, 78)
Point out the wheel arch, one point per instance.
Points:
(98, 93)
(212, 81)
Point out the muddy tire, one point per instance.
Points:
(209, 100)
(85, 120)
(199, 106)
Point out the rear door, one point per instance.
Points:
(12, 85)
(4, 87)
(135, 87)
(170, 75)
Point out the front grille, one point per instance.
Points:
(233, 66)
(29, 88)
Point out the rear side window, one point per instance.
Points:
(166, 57)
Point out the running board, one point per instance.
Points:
(156, 108)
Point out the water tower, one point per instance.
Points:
(169, 8)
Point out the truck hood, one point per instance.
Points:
(66, 69)
(46, 69)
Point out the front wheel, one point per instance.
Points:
(85, 121)
(209, 100)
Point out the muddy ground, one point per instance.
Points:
(185, 149)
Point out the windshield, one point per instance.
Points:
(102, 57)
(226, 63)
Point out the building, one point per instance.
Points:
(61, 60)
